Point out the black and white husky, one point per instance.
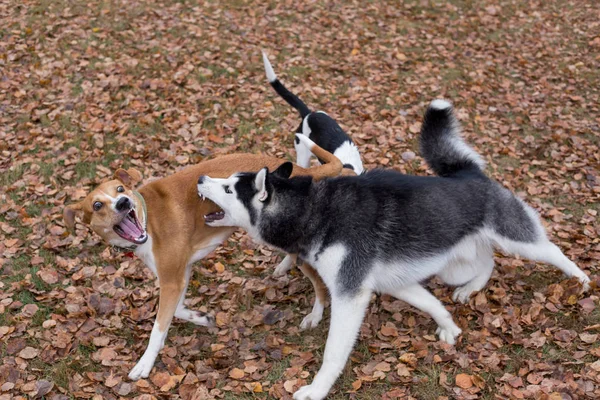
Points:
(387, 232)
(318, 126)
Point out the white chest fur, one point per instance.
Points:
(144, 252)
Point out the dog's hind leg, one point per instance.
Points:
(470, 275)
(172, 284)
(315, 316)
(517, 229)
(182, 312)
(347, 313)
(485, 267)
(195, 317)
(545, 251)
(420, 298)
(285, 265)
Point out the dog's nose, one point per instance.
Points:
(123, 204)
(201, 179)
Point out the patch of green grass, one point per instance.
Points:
(12, 175)
(35, 208)
(127, 334)
(277, 370)
(519, 355)
(45, 121)
(61, 371)
(25, 297)
(47, 169)
(85, 169)
(40, 316)
(427, 387)
(86, 350)
(575, 320)
(6, 319)
(20, 266)
(38, 282)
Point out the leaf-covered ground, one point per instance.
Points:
(86, 87)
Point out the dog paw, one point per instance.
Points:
(311, 321)
(284, 266)
(585, 282)
(141, 370)
(310, 392)
(202, 319)
(280, 270)
(449, 333)
(196, 317)
(463, 293)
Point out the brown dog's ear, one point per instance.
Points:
(69, 214)
(130, 178)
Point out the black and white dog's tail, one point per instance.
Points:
(441, 144)
(281, 90)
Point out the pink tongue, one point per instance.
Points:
(130, 228)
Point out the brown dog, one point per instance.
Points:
(164, 225)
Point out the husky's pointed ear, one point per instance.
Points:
(130, 178)
(69, 214)
(260, 182)
(284, 171)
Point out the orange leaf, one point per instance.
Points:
(236, 373)
(464, 381)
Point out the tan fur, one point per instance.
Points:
(175, 218)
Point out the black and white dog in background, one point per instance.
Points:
(386, 232)
(321, 129)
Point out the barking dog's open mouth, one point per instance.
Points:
(131, 229)
(214, 216)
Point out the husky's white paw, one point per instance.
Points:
(142, 369)
(284, 266)
(449, 333)
(463, 293)
(310, 392)
(311, 321)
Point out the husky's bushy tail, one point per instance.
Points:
(281, 90)
(441, 145)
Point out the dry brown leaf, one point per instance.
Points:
(464, 381)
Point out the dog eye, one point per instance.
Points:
(120, 189)
(97, 205)
(227, 190)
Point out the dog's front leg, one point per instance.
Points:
(172, 284)
(347, 313)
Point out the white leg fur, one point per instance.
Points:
(346, 317)
(545, 251)
(315, 316)
(284, 266)
(484, 272)
(157, 341)
(195, 317)
(420, 298)
(470, 274)
(303, 155)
